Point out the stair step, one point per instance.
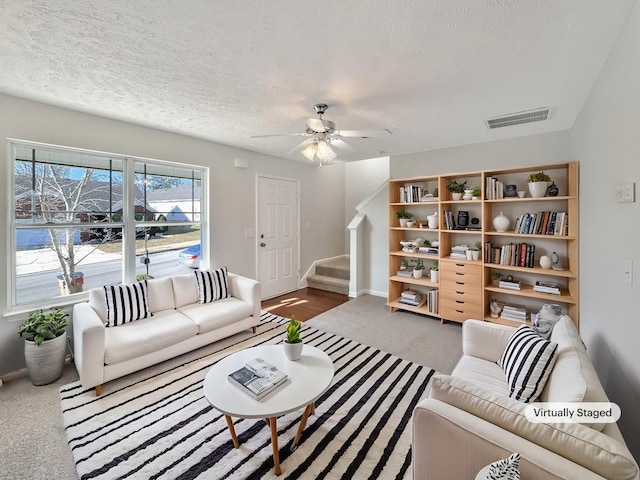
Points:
(328, 283)
(338, 269)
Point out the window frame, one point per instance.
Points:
(128, 222)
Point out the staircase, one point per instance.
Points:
(332, 276)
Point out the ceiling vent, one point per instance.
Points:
(518, 118)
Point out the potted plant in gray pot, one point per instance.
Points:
(45, 344)
(293, 344)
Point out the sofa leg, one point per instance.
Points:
(254, 329)
(98, 390)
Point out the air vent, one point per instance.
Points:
(518, 118)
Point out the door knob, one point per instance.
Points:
(263, 244)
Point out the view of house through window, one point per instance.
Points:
(75, 212)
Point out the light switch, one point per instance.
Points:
(626, 193)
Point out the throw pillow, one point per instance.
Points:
(527, 361)
(212, 285)
(506, 469)
(126, 303)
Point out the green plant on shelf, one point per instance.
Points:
(418, 264)
(455, 187)
(539, 177)
(434, 266)
(404, 214)
(476, 191)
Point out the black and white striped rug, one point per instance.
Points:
(161, 426)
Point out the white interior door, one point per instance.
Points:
(277, 236)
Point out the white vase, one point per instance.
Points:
(537, 189)
(469, 254)
(293, 351)
(501, 223)
(475, 254)
(433, 220)
(434, 276)
(403, 222)
(417, 273)
(468, 195)
(456, 196)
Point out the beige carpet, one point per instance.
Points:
(34, 444)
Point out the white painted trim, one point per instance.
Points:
(373, 194)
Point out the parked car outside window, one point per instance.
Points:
(190, 257)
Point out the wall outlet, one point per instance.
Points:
(626, 193)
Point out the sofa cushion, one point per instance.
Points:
(210, 316)
(160, 294)
(527, 361)
(148, 335)
(126, 303)
(481, 372)
(212, 285)
(582, 445)
(185, 289)
(573, 378)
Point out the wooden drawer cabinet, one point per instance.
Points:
(461, 291)
(460, 312)
(474, 297)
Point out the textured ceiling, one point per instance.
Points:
(430, 71)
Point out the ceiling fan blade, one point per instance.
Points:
(341, 145)
(281, 135)
(317, 125)
(306, 142)
(363, 133)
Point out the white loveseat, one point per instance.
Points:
(468, 421)
(178, 325)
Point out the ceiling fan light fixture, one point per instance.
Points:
(325, 153)
(310, 151)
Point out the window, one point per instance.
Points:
(83, 219)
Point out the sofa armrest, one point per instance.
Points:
(247, 290)
(485, 340)
(582, 445)
(449, 442)
(88, 345)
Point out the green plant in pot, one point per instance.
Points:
(45, 344)
(293, 344)
(418, 267)
(538, 184)
(434, 271)
(404, 217)
(477, 191)
(457, 189)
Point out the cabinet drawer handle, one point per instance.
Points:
(459, 273)
(459, 283)
(459, 264)
(459, 293)
(460, 311)
(460, 302)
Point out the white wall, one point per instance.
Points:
(232, 207)
(605, 139)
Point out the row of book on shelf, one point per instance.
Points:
(412, 193)
(257, 378)
(513, 254)
(417, 299)
(494, 188)
(543, 223)
(540, 286)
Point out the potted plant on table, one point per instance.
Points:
(457, 189)
(538, 184)
(293, 344)
(45, 344)
(475, 251)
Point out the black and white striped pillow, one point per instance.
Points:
(212, 285)
(126, 303)
(527, 361)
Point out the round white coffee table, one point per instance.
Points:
(307, 379)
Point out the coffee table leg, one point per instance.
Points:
(232, 431)
(303, 422)
(274, 444)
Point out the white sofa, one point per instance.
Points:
(468, 421)
(178, 325)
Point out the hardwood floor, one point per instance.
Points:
(305, 303)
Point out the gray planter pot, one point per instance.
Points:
(293, 351)
(45, 362)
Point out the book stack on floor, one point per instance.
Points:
(546, 287)
(257, 378)
(412, 298)
(512, 312)
(510, 284)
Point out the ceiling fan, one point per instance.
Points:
(322, 134)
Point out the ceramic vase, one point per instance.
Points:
(417, 273)
(468, 195)
(537, 189)
(501, 223)
(433, 220)
(434, 276)
(456, 196)
(475, 255)
(293, 351)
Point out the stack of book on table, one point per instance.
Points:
(412, 298)
(512, 312)
(546, 287)
(510, 284)
(404, 273)
(257, 378)
(459, 251)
